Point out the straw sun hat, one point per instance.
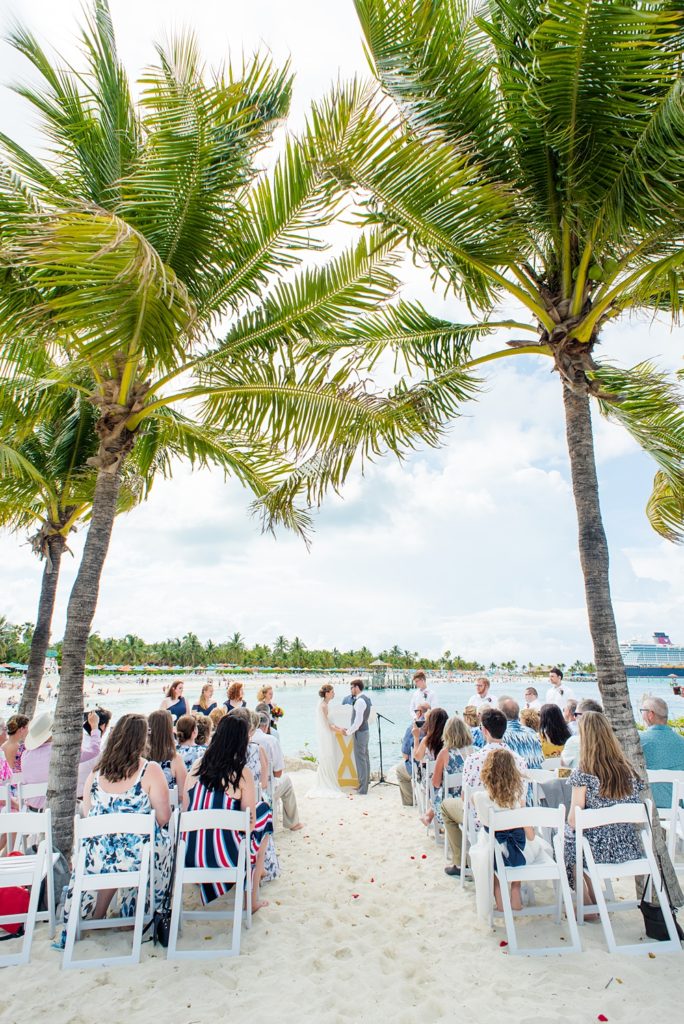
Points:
(40, 730)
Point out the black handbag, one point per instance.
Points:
(161, 919)
(652, 913)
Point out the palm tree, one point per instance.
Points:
(149, 226)
(280, 648)
(531, 153)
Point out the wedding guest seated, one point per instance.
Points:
(531, 718)
(518, 737)
(206, 704)
(571, 750)
(494, 725)
(504, 789)
(471, 717)
(429, 746)
(457, 743)
(553, 730)
(222, 781)
(162, 749)
(404, 770)
(663, 747)
(186, 735)
(569, 715)
(174, 702)
(604, 778)
(13, 747)
(532, 699)
(35, 763)
(216, 715)
(205, 728)
(125, 782)
(236, 697)
(283, 789)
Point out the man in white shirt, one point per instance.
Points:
(482, 697)
(282, 787)
(557, 693)
(422, 694)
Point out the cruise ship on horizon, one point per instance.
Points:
(660, 658)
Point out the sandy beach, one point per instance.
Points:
(363, 924)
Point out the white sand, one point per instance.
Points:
(407, 950)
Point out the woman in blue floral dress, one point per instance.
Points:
(457, 744)
(125, 783)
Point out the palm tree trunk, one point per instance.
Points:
(593, 549)
(68, 726)
(41, 634)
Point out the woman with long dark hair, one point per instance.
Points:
(222, 781)
(553, 730)
(432, 742)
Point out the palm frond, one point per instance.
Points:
(665, 508)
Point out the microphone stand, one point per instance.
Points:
(382, 781)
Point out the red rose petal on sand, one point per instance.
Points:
(412, 857)
(355, 895)
(372, 879)
(503, 943)
(602, 1016)
(423, 856)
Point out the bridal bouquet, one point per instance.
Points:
(276, 712)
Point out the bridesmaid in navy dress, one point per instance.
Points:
(174, 701)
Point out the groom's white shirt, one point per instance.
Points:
(358, 714)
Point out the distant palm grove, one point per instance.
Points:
(15, 644)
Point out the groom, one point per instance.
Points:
(359, 729)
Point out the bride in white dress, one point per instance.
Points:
(326, 784)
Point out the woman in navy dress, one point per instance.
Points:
(236, 697)
(174, 701)
(206, 703)
(222, 781)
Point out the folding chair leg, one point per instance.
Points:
(509, 920)
(177, 902)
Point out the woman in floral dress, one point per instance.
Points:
(123, 782)
(603, 778)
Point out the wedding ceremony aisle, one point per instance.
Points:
(362, 925)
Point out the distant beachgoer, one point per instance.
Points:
(205, 705)
(482, 696)
(553, 730)
(236, 697)
(174, 702)
(13, 747)
(162, 749)
(558, 693)
(422, 693)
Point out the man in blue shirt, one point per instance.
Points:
(518, 737)
(405, 769)
(663, 747)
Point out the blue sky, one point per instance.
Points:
(471, 548)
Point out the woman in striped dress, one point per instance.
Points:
(222, 781)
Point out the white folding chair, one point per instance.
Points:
(140, 878)
(30, 791)
(28, 869)
(538, 776)
(672, 817)
(451, 784)
(468, 830)
(637, 816)
(547, 870)
(240, 876)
